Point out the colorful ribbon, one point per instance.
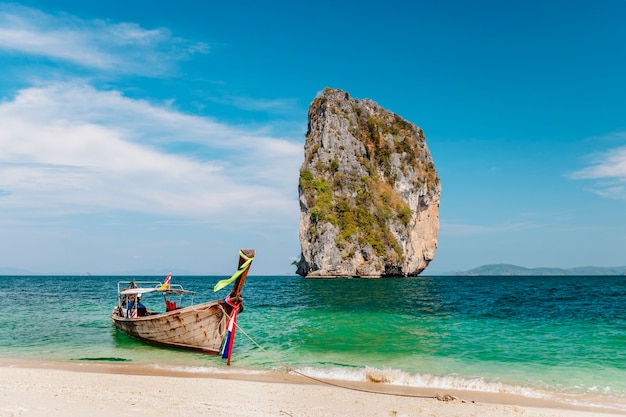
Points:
(221, 284)
(227, 347)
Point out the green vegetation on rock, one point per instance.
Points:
(361, 220)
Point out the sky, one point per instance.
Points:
(149, 137)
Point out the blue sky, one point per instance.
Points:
(157, 136)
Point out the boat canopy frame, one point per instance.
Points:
(128, 289)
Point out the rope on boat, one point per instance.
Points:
(440, 397)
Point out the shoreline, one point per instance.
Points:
(37, 387)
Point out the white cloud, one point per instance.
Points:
(69, 148)
(609, 171)
(91, 179)
(118, 47)
(611, 164)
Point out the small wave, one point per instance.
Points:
(104, 359)
(207, 369)
(455, 382)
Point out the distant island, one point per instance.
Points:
(515, 270)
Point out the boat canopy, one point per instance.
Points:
(136, 288)
(137, 291)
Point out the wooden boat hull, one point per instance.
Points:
(199, 327)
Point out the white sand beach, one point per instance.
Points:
(75, 389)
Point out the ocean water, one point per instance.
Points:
(560, 338)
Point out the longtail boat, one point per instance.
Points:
(207, 327)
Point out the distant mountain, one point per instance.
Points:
(513, 270)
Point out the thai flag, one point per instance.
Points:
(166, 282)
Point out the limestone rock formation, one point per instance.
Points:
(369, 192)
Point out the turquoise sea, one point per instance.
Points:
(560, 338)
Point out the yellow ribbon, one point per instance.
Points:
(221, 284)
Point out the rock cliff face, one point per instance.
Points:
(369, 192)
